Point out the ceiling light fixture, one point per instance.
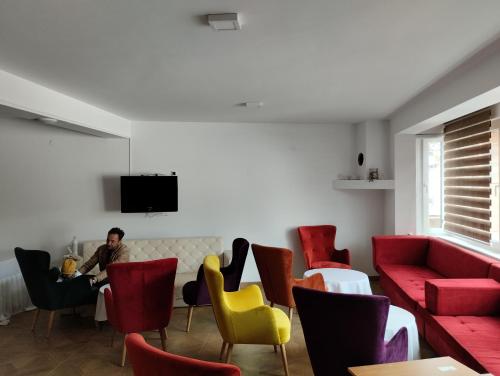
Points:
(254, 104)
(48, 120)
(224, 21)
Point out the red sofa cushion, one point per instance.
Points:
(465, 297)
(471, 339)
(408, 250)
(494, 272)
(410, 280)
(453, 261)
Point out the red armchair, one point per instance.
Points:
(149, 361)
(275, 270)
(141, 297)
(318, 246)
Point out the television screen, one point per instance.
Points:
(148, 194)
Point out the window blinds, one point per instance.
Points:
(467, 175)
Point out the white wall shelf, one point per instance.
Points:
(363, 184)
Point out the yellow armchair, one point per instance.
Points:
(242, 317)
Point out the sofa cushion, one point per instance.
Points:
(453, 261)
(473, 340)
(466, 296)
(410, 280)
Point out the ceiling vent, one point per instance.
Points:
(224, 21)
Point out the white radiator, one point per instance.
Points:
(14, 297)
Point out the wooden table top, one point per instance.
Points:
(444, 366)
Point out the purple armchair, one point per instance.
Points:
(195, 293)
(347, 330)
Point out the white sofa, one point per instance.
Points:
(190, 253)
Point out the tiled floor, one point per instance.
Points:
(76, 347)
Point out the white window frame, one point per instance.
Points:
(422, 198)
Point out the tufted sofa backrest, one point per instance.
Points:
(189, 251)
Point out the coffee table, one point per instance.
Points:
(346, 281)
(425, 367)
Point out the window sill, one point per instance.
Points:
(485, 250)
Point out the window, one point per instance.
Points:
(460, 193)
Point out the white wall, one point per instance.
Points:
(56, 183)
(259, 182)
(470, 87)
(256, 181)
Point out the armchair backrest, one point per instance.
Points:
(142, 294)
(275, 270)
(149, 361)
(215, 283)
(34, 265)
(317, 242)
(342, 330)
(232, 273)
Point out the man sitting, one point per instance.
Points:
(113, 251)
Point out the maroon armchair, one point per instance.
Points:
(347, 330)
(275, 270)
(195, 293)
(141, 297)
(318, 246)
(149, 361)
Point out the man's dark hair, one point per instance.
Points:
(118, 231)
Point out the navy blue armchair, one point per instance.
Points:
(44, 290)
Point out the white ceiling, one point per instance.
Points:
(320, 61)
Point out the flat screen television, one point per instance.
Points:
(148, 194)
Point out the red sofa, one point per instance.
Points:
(454, 294)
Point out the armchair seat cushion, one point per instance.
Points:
(329, 264)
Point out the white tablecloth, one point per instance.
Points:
(100, 308)
(346, 281)
(398, 318)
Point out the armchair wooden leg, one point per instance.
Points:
(124, 352)
(285, 361)
(290, 314)
(35, 319)
(271, 304)
(223, 350)
(229, 352)
(190, 316)
(51, 322)
(275, 348)
(163, 336)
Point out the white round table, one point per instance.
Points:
(346, 281)
(100, 308)
(398, 318)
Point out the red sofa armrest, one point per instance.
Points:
(399, 249)
(462, 297)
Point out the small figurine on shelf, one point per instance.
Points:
(372, 174)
